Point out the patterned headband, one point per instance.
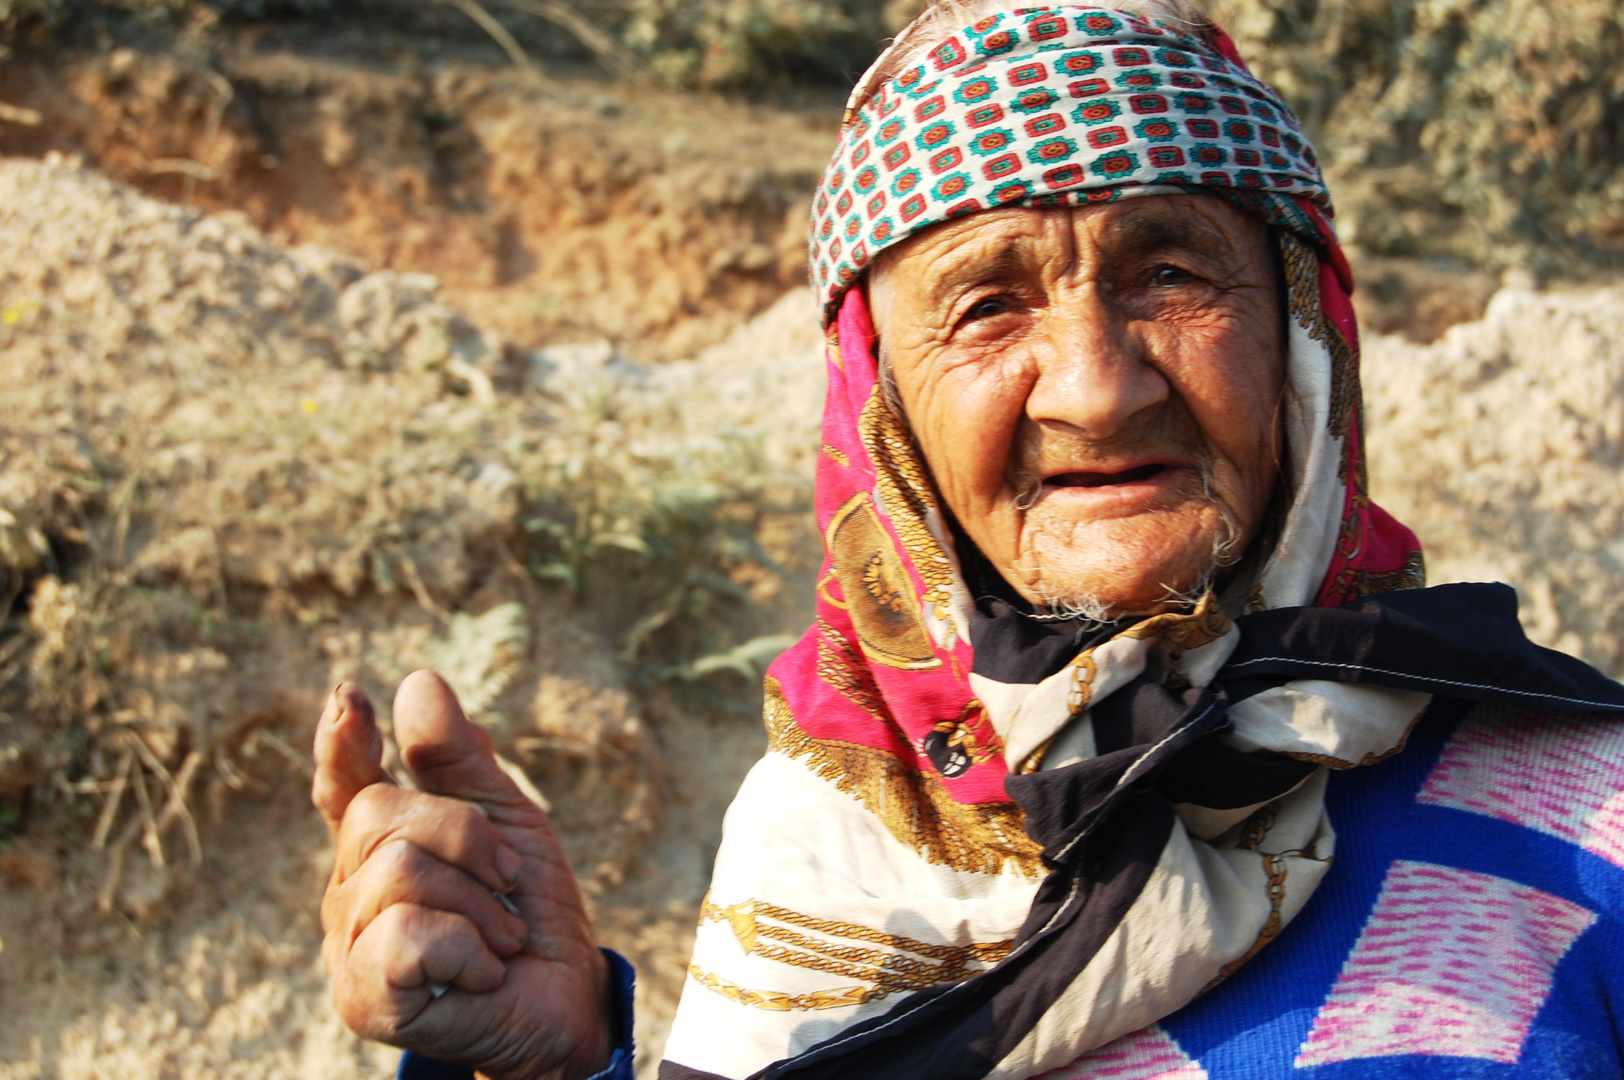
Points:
(1058, 106)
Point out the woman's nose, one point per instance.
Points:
(1093, 372)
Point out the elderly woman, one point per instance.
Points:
(1109, 635)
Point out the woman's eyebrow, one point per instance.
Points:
(1158, 233)
(1009, 259)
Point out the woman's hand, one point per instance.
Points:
(454, 927)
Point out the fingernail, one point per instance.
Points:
(508, 864)
(520, 931)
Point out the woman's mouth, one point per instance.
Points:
(1116, 492)
(1135, 475)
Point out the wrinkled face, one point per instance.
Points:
(1095, 390)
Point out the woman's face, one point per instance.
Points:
(1095, 390)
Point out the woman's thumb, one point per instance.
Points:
(447, 753)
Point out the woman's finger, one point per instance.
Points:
(386, 980)
(450, 755)
(349, 754)
(400, 872)
(454, 832)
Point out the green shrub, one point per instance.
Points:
(734, 42)
(1487, 129)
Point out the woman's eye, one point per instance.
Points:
(1170, 277)
(986, 309)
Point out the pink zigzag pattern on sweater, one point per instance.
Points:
(1451, 963)
(1150, 1054)
(1561, 776)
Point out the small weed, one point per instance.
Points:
(480, 655)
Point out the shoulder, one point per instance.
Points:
(1498, 833)
(1472, 925)
(1560, 775)
(1535, 796)
(1482, 909)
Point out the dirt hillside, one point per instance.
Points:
(548, 209)
(238, 473)
(556, 201)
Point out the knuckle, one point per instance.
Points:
(460, 832)
(469, 831)
(332, 908)
(349, 996)
(332, 957)
(363, 996)
(321, 791)
(373, 806)
(397, 924)
(397, 861)
(358, 1015)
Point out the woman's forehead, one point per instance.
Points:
(1016, 235)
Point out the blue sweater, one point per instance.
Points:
(1472, 927)
(1460, 933)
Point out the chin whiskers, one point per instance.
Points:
(1058, 605)
(1188, 599)
(1091, 612)
(1062, 593)
(1226, 545)
(1226, 552)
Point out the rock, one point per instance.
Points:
(1501, 444)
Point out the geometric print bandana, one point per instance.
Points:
(1058, 106)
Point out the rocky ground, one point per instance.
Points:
(1501, 444)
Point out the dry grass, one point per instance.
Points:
(234, 474)
(215, 443)
(1490, 131)
(711, 43)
